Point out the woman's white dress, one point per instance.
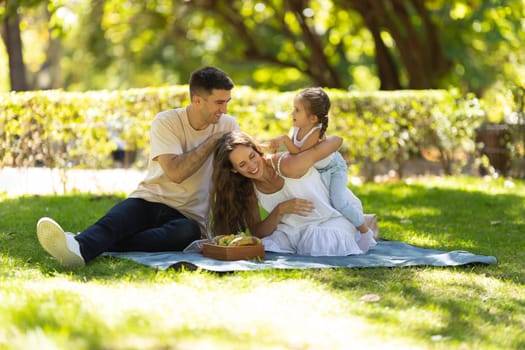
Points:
(324, 232)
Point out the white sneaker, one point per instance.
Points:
(61, 245)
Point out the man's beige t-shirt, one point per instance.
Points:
(171, 133)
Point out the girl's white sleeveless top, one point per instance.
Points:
(299, 143)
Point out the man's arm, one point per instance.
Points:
(178, 167)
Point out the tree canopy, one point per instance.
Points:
(282, 44)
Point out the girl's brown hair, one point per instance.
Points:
(316, 102)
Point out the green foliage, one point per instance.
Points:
(64, 129)
(484, 39)
(117, 44)
(396, 125)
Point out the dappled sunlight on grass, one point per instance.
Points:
(297, 308)
(451, 307)
(404, 214)
(489, 185)
(428, 241)
(118, 304)
(14, 267)
(475, 215)
(488, 308)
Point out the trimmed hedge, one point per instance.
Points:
(68, 129)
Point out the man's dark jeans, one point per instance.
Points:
(138, 225)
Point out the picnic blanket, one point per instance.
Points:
(384, 254)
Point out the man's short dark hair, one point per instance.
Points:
(204, 80)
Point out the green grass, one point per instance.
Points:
(118, 304)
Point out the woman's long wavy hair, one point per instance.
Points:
(231, 192)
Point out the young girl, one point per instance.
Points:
(310, 120)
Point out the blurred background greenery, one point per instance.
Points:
(473, 49)
(80, 45)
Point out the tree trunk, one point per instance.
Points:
(318, 66)
(48, 75)
(312, 61)
(387, 70)
(13, 44)
(420, 53)
(416, 55)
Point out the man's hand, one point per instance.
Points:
(178, 167)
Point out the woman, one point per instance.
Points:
(300, 217)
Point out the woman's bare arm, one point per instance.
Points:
(296, 165)
(263, 228)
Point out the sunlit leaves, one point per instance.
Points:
(127, 43)
(460, 11)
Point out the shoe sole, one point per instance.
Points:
(53, 239)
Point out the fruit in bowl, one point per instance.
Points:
(241, 246)
(237, 240)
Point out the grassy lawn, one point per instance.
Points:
(118, 304)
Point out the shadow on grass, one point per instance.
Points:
(465, 303)
(472, 302)
(488, 224)
(455, 305)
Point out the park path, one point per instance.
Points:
(45, 181)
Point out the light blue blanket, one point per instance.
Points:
(384, 254)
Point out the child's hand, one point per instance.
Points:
(266, 147)
(269, 147)
(274, 144)
(280, 141)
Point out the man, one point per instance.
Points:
(170, 207)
